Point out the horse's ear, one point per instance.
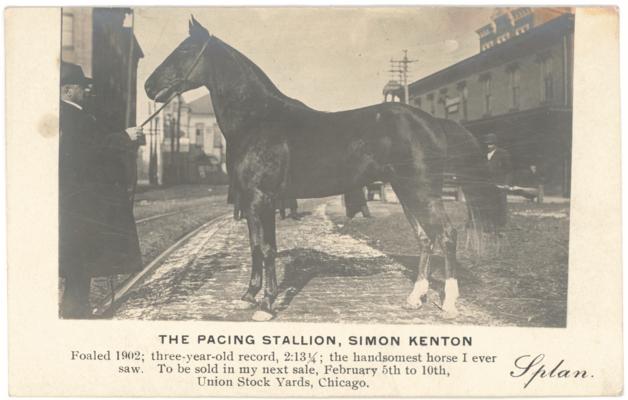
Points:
(197, 30)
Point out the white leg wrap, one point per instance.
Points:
(420, 289)
(451, 295)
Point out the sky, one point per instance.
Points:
(332, 59)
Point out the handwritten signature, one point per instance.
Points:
(530, 368)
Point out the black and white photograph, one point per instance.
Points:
(401, 166)
(314, 201)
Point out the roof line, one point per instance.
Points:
(541, 29)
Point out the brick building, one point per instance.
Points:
(99, 40)
(519, 86)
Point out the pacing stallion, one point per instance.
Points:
(277, 148)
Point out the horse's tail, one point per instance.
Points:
(465, 159)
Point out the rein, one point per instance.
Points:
(187, 75)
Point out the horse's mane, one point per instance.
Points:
(267, 85)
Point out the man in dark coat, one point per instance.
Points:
(97, 234)
(500, 170)
(355, 202)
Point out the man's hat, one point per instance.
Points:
(490, 138)
(72, 74)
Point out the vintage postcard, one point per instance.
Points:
(314, 202)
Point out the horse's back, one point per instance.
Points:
(330, 152)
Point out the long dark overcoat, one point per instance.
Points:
(96, 223)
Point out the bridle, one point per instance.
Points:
(185, 79)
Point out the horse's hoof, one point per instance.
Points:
(450, 311)
(243, 305)
(261, 316)
(419, 291)
(414, 301)
(411, 306)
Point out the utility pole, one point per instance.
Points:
(157, 152)
(150, 147)
(177, 132)
(400, 69)
(171, 170)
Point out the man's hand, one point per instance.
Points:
(134, 132)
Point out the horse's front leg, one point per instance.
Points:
(257, 259)
(269, 252)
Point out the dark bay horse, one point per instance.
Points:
(277, 147)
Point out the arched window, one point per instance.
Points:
(514, 79)
(485, 79)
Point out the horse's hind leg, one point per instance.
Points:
(447, 238)
(421, 285)
(431, 224)
(415, 210)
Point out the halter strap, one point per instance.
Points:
(187, 75)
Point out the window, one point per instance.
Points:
(67, 26)
(200, 128)
(486, 85)
(417, 102)
(464, 96)
(442, 99)
(547, 81)
(430, 99)
(514, 78)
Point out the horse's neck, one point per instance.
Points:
(243, 96)
(240, 98)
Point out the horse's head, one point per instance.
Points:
(183, 69)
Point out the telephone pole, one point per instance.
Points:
(178, 142)
(400, 69)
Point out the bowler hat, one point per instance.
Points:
(490, 138)
(72, 74)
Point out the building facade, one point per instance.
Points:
(102, 42)
(195, 155)
(519, 86)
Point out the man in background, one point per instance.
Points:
(97, 233)
(500, 170)
(355, 202)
